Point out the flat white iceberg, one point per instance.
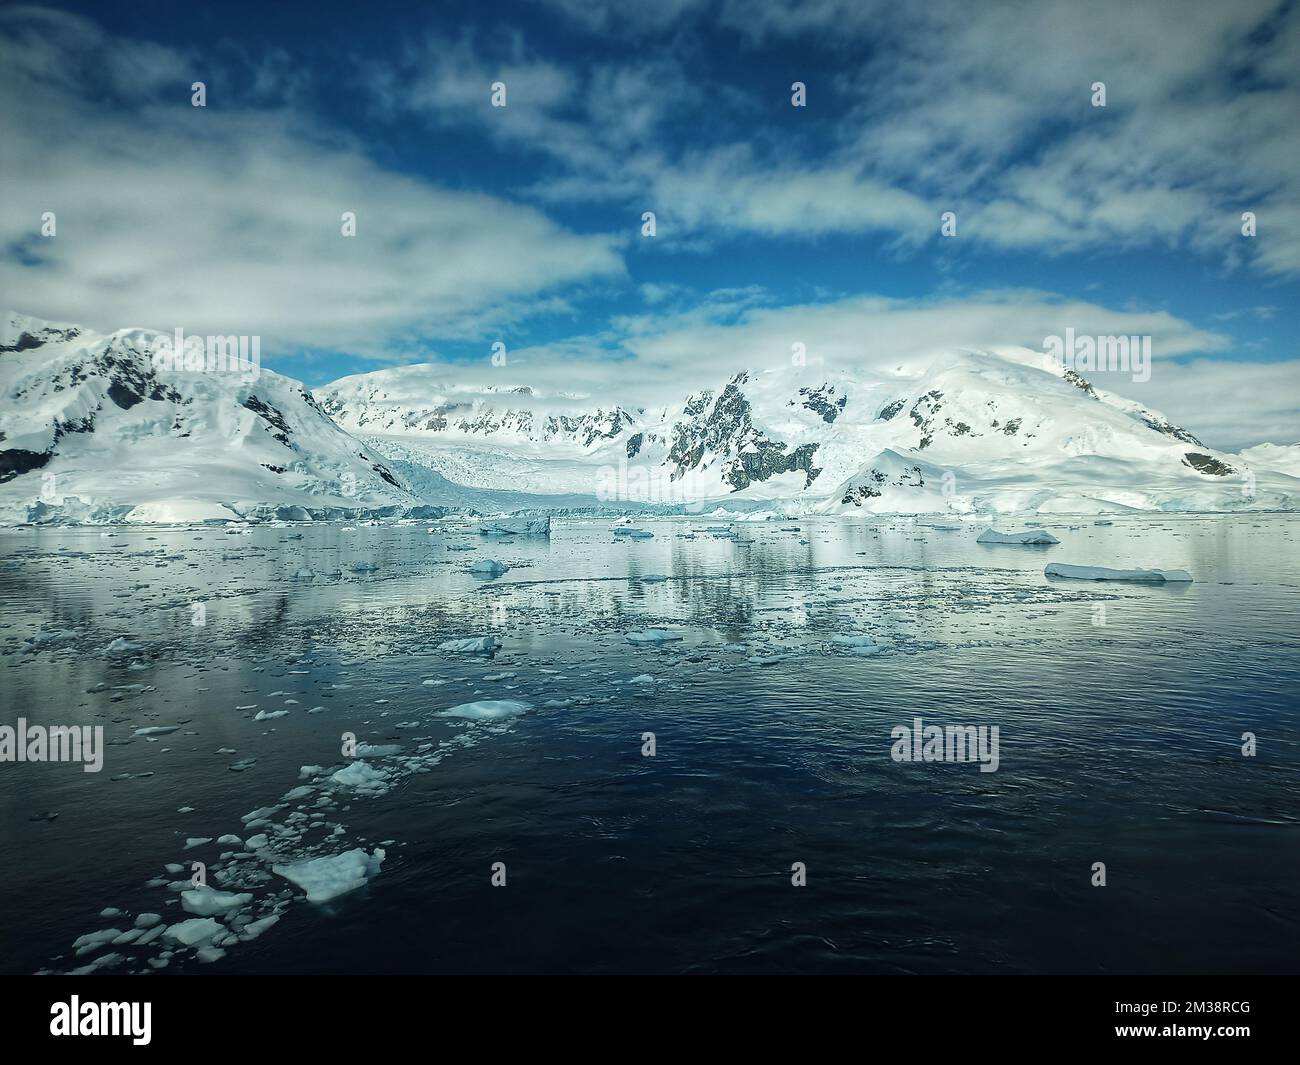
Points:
(1030, 536)
(488, 710)
(1101, 573)
(651, 636)
(329, 877)
(471, 645)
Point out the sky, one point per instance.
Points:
(774, 224)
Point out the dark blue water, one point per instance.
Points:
(1120, 743)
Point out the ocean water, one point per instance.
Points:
(1121, 710)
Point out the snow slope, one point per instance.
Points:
(91, 429)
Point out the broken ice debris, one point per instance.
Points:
(1031, 536)
(857, 645)
(1101, 573)
(488, 567)
(331, 876)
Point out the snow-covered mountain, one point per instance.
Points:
(963, 431)
(93, 427)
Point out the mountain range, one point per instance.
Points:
(93, 428)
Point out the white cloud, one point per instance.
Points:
(227, 219)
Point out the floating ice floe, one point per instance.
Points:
(194, 931)
(1031, 536)
(209, 902)
(488, 710)
(363, 777)
(156, 730)
(488, 567)
(329, 877)
(269, 715)
(1101, 573)
(651, 636)
(857, 645)
(471, 645)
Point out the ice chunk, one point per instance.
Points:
(488, 567)
(1031, 536)
(156, 730)
(334, 875)
(361, 776)
(194, 931)
(269, 715)
(94, 940)
(1101, 573)
(488, 710)
(209, 902)
(651, 636)
(471, 645)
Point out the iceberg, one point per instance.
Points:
(487, 710)
(1101, 573)
(651, 636)
(488, 567)
(483, 645)
(529, 527)
(1031, 536)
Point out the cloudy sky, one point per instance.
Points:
(775, 224)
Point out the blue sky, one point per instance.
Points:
(774, 223)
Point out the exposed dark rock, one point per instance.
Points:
(272, 417)
(1163, 425)
(821, 401)
(17, 461)
(1207, 464)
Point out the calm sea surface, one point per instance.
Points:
(1120, 707)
